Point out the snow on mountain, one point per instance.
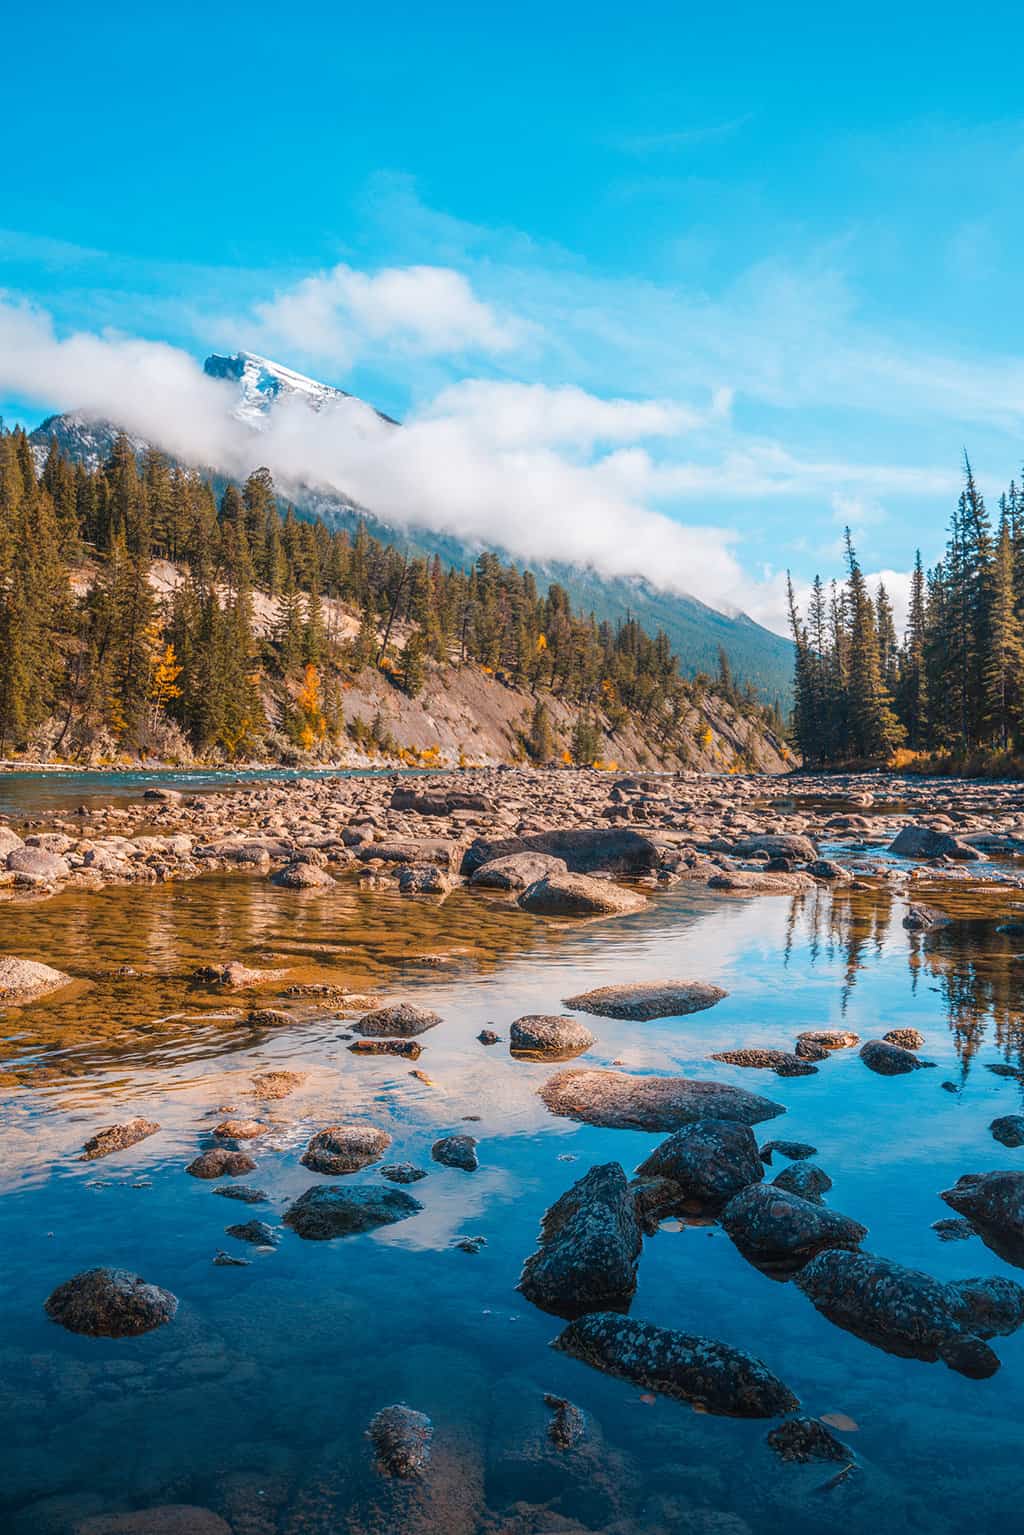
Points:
(261, 383)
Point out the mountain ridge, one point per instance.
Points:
(696, 630)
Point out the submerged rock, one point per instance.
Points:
(707, 1163)
(272, 1085)
(408, 1049)
(457, 1151)
(1008, 1129)
(577, 895)
(327, 1211)
(780, 1061)
(589, 1246)
(23, 980)
(910, 1314)
(401, 1438)
(779, 1231)
(258, 1233)
(753, 882)
(568, 1424)
(220, 1163)
(622, 1101)
(345, 1149)
(166, 1519)
(110, 1303)
(805, 1179)
(953, 1229)
(805, 1439)
(117, 1138)
(890, 1060)
(402, 1172)
(423, 879)
(542, 1036)
(244, 1193)
(994, 1204)
(702, 1371)
(643, 1000)
(793, 1151)
(402, 1021)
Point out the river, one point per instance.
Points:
(253, 1402)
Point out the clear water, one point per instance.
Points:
(254, 1401)
(32, 793)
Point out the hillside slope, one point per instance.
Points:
(695, 631)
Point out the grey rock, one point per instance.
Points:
(327, 1211)
(401, 1438)
(258, 1233)
(707, 1163)
(402, 1172)
(577, 895)
(620, 1100)
(1008, 1130)
(908, 1039)
(23, 980)
(793, 1151)
(220, 1163)
(244, 1193)
(568, 1424)
(457, 1151)
(589, 1247)
(701, 1371)
(345, 1149)
(910, 1314)
(801, 1440)
(584, 850)
(994, 1204)
(516, 870)
(815, 1044)
(541, 1036)
(782, 1062)
(403, 1021)
(423, 879)
(779, 1231)
(805, 1179)
(644, 1000)
(890, 1060)
(110, 1303)
(303, 876)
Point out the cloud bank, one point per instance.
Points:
(549, 474)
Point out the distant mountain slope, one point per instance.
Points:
(696, 631)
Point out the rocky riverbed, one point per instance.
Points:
(515, 1152)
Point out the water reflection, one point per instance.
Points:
(254, 1401)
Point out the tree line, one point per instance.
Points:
(241, 637)
(953, 687)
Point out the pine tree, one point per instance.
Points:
(1004, 659)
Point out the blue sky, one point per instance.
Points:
(795, 235)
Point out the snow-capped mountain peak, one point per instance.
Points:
(261, 383)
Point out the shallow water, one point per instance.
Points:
(254, 1400)
(59, 790)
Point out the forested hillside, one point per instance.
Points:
(953, 689)
(143, 614)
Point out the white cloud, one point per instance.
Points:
(547, 474)
(428, 311)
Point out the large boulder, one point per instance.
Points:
(994, 1204)
(110, 1303)
(709, 1375)
(756, 882)
(780, 1232)
(439, 804)
(517, 870)
(923, 842)
(587, 850)
(38, 864)
(23, 980)
(403, 1021)
(622, 1101)
(908, 1313)
(708, 1163)
(589, 1246)
(577, 895)
(643, 1000)
(345, 1149)
(219, 1162)
(542, 1037)
(327, 1211)
(303, 876)
(430, 850)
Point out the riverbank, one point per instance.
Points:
(431, 832)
